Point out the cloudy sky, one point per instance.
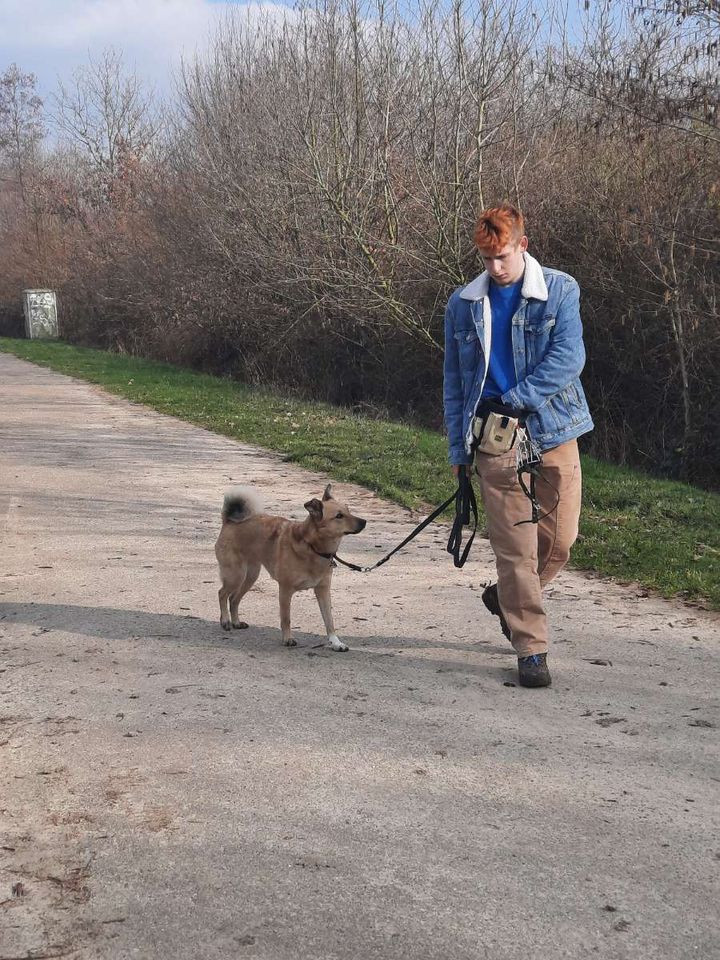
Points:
(52, 37)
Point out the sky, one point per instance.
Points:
(51, 38)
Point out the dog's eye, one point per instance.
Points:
(339, 516)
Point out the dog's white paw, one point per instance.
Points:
(240, 625)
(335, 643)
(226, 625)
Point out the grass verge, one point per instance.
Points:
(663, 534)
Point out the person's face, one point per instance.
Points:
(507, 265)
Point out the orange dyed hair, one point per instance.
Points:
(497, 227)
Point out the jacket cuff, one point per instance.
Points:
(511, 399)
(457, 455)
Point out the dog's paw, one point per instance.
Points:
(335, 643)
(290, 642)
(226, 625)
(240, 625)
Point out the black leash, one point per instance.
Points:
(535, 473)
(530, 494)
(465, 503)
(529, 461)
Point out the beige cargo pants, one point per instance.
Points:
(530, 555)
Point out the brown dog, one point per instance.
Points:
(296, 554)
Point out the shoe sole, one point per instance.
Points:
(536, 684)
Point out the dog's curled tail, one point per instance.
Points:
(240, 504)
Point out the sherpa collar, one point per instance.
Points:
(534, 286)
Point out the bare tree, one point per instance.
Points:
(21, 126)
(107, 117)
(311, 205)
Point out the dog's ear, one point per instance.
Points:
(314, 508)
(327, 495)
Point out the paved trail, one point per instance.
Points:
(170, 791)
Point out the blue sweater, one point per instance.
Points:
(504, 302)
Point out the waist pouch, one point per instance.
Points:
(495, 428)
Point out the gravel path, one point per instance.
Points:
(172, 792)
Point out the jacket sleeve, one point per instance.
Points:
(453, 400)
(563, 361)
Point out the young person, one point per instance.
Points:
(530, 317)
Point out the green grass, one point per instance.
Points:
(660, 533)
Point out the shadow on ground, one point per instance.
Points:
(113, 623)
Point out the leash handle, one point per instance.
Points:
(465, 502)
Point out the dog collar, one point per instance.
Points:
(326, 556)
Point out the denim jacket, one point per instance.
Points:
(548, 352)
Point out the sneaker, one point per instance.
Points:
(533, 671)
(490, 599)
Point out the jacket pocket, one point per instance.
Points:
(541, 327)
(575, 400)
(468, 345)
(537, 339)
(562, 412)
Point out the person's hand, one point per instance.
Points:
(457, 467)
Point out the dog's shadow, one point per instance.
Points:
(112, 623)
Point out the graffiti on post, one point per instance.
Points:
(40, 308)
